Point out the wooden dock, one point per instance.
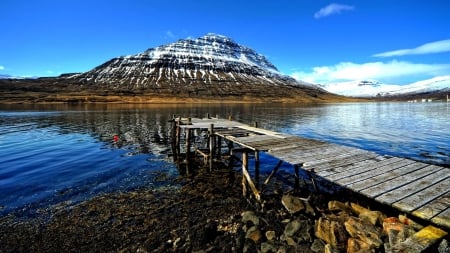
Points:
(416, 188)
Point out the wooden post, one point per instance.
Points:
(247, 179)
(173, 137)
(274, 171)
(297, 177)
(256, 124)
(230, 117)
(230, 154)
(207, 116)
(219, 147)
(178, 140)
(211, 146)
(188, 149)
(257, 169)
(244, 171)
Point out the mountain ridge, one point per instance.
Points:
(212, 68)
(433, 87)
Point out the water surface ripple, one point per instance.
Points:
(62, 153)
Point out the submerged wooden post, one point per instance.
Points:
(297, 177)
(188, 149)
(173, 137)
(211, 146)
(247, 179)
(219, 147)
(178, 139)
(257, 169)
(274, 171)
(244, 173)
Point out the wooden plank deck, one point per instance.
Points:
(413, 187)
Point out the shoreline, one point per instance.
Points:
(206, 214)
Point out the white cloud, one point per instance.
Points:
(383, 71)
(332, 9)
(170, 34)
(440, 46)
(2, 67)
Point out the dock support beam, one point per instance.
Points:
(297, 176)
(247, 179)
(178, 140)
(257, 169)
(188, 149)
(211, 146)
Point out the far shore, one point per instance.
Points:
(84, 98)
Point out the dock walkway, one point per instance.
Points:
(416, 188)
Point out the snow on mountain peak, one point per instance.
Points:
(209, 59)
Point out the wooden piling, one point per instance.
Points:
(173, 137)
(188, 149)
(211, 146)
(297, 176)
(178, 140)
(244, 173)
(257, 169)
(247, 179)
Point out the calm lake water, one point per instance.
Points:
(65, 154)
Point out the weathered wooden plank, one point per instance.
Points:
(426, 195)
(412, 188)
(255, 138)
(443, 218)
(433, 208)
(263, 131)
(346, 155)
(370, 182)
(267, 144)
(373, 172)
(300, 145)
(322, 166)
(361, 169)
(397, 182)
(231, 132)
(296, 157)
(350, 166)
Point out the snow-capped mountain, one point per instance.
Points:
(373, 88)
(206, 61)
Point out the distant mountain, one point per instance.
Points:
(212, 67)
(209, 65)
(373, 88)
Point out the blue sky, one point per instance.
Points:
(318, 41)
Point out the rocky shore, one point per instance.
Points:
(207, 213)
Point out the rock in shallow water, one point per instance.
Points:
(332, 232)
(365, 232)
(292, 204)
